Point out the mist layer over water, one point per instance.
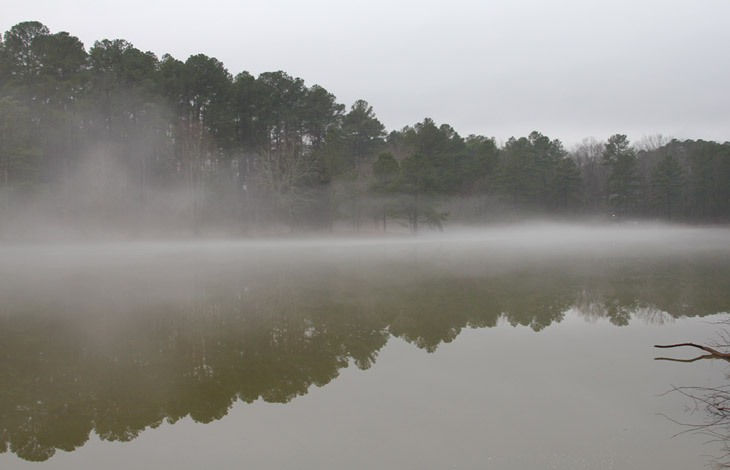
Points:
(112, 339)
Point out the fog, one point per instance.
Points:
(164, 268)
(517, 240)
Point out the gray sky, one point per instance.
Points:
(568, 68)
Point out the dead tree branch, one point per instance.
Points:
(714, 353)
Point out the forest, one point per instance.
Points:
(118, 138)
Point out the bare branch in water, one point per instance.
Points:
(714, 402)
(713, 352)
(704, 356)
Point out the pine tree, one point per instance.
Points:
(667, 182)
(623, 181)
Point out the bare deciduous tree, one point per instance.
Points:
(285, 174)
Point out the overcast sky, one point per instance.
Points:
(569, 69)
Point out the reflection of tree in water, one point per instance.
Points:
(537, 299)
(715, 404)
(117, 367)
(435, 311)
(168, 364)
(655, 293)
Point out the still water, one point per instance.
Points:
(504, 349)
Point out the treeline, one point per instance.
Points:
(119, 136)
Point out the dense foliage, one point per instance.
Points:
(138, 142)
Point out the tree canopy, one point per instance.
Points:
(105, 132)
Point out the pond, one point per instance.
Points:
(528, 347)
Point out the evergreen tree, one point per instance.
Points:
(667, 182)
(420, 182)
(517, 174)
(623, 179)
(566, 184)
(363, 131)
(18, 151)
(385, 172)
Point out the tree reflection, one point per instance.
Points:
(86, 356)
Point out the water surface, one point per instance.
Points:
(500, 349)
